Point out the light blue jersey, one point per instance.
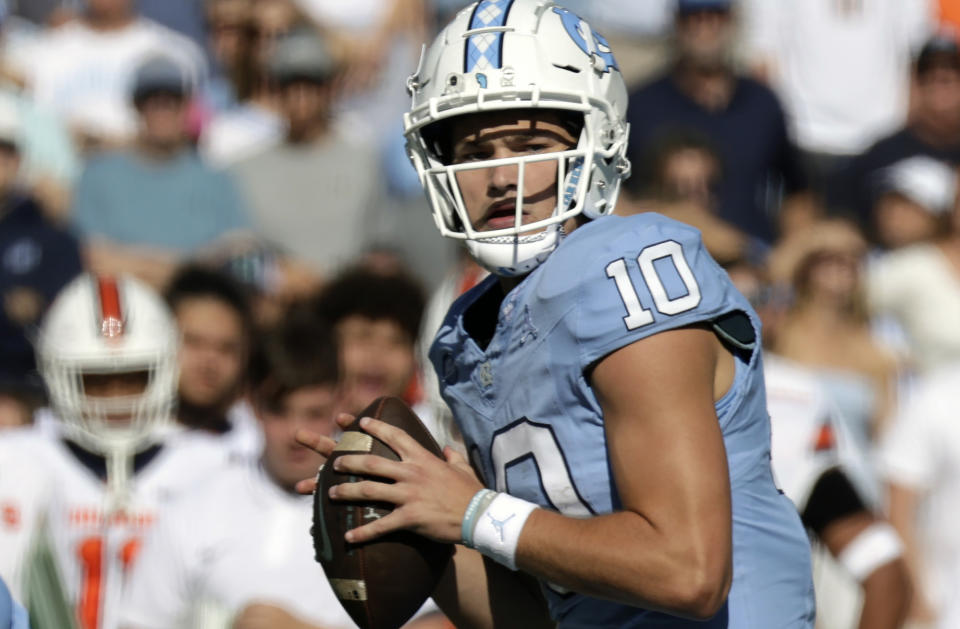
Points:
(534, 428)
(12, 615)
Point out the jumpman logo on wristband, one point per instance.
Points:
(499, 524)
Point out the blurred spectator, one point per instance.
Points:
(198, 568)
(183, 16)
(920, 457)
(83, 70)
(378, 42)
(915, 196)
(842, 69)
(318, 194)
(49, 162)
(917, 287)
(36, 260)
(241, 34)
(376, 318)
(201, 561)
(933, 130)
(685, 173)
(142, 209)
(827, 327)
(812, 459)
(216, 328)
(638, 33)
(742, 118)
(229, 34)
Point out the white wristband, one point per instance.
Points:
(877, 545)
(497, 530)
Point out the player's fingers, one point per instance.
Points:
(398, 440)
(320, 444)
(368, 465)
(454, 457)
(393, 521)
(367, 491)
(306, 486)
(345, 419)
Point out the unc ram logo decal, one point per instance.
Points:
(575, 28)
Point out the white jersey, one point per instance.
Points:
(86, 76)
(93, 536)
(921, 451)
(806, 437)
(237, 539)
(244, 441)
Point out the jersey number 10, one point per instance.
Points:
(637, 315)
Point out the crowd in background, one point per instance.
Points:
(245, 159)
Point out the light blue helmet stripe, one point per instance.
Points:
(485, 51)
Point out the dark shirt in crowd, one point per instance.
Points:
(853, 190)
(758, 163)
(184, 16)
(36, 260)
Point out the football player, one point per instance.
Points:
(607, 377)
(816, 463)
(78, 494)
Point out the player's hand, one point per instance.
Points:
(322, 445)
(266, 616)
(430, 494)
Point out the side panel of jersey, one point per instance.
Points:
(535, 429)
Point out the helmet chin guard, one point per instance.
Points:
(515, 256)
(529, 55)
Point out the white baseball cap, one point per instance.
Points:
(926, 181)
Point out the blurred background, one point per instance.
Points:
(256, 144)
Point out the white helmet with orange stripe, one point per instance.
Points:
(107, 353)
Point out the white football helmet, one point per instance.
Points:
(101, 326)
(520, 54)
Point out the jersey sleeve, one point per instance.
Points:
(653, 277)
(158, 594)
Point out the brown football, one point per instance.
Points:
(381, 584)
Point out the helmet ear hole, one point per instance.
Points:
(438, 141)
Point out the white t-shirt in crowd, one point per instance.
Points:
(921, 451)
(841, 68)
(240, 133)
(48, 496)
(918, 288)
(86, 76)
